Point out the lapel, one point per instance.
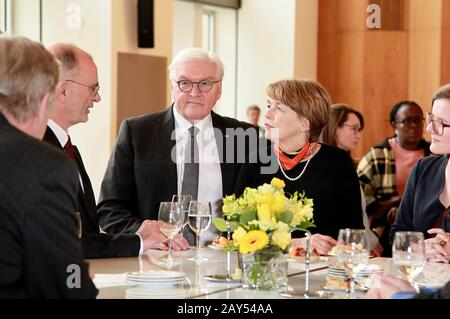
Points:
(163, 132)
(86, 199)
(221, 140)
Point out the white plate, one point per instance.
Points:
(156, 275)
(145, 293)
(215, 247)
(429, 284)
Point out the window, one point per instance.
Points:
(3, 19)
(208, 29)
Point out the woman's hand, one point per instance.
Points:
(384, 286)
(437, 249)
(320, 243)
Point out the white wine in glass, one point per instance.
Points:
(184, 201)
(199, 220)
(172, 218)
(408, 254)
(352, 252)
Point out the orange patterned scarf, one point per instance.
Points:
(289, 163)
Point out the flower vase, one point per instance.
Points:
(264, 269)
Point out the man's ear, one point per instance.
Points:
(60, 92)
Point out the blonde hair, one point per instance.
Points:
(27, 72)
(195, 54)
(307, 98)
(442, 93)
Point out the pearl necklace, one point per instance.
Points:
(294, 178)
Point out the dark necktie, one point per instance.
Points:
(190, 176)
(191, 166)
(69, 149)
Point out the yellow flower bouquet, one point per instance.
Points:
(262, 221)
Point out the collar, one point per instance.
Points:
(59, 132)
(182, 125)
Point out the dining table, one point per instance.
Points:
(198, 280)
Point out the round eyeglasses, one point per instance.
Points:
(436, 124)
(92, 88)
(355, 128)
(410, 121)
(204, 86)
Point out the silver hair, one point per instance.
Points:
(195, 54)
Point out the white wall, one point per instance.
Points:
(188, 32)
(266, 49)
(94, 36)
(25, 18)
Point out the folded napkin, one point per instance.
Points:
(110, 280)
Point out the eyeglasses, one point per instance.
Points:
(92, 88)
(355, 128)
(204, 86)
(436, 125)
(410, 121)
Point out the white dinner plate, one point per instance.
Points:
(215, 247)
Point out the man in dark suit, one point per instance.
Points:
(151, 159)
(40, 253)
(75, 94)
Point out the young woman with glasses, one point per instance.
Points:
(344, 130)
(427, 195)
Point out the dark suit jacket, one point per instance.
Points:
(95, 244)
(37, 222)
(141, 173)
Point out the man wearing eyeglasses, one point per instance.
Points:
(181, 150)
(384, 170)
(40, 254)
(75, 95)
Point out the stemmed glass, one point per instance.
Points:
(199, 220)
(408, 254)
(352, 253)
(171, 218)
(184, 201)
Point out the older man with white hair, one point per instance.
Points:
(182, 150)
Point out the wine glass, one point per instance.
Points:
(184, 201)
(408, 254)
(352, 253)
(199, 220)
(171, 218)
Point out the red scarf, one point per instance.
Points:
(289, 163)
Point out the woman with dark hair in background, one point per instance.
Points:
(344, 130)
(384, 170)
(344, 127)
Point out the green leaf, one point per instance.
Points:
(220, 224)
(247, 216)
(234, 226)
(285, 217)
(304, 225)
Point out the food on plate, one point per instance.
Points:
(220, 241)
(337, 283)
(333, 251)
(301, 252)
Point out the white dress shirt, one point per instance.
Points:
(210, 174)
(62, 137)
